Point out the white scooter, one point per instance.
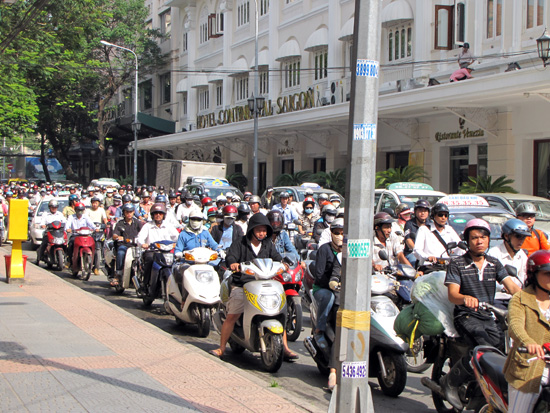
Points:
(261, 326)
(193, 289)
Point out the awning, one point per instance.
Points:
(263, 59)
(198, 80)
(317, 40)
(216, 77)
(346, 33)
(182, 86)
(397, 11)
(159, 124)
(288, 50)
(239, 67)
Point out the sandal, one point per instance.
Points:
(113, 282)
(290, 356)
(217, 353)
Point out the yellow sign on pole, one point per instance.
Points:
(17, 233)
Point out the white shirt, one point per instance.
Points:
(393, 247)
(184, 211)
(48, 218)
(325, 237)
(151, 233)
(519, 261)
(96, 216)
(427, 245)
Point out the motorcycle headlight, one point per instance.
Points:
(287, 277)
(169, 258)
(298, 276)
(59, 241)
(270, 301)
(384, 308)
(205, 277)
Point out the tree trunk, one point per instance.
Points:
(43, 158)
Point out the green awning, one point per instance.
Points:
(159, 124)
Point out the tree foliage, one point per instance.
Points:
(482, 184)
(293, 179)
(238, 180)
(335, 180)
(410, 173)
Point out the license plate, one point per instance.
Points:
(354, 369)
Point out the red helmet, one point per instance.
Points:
(230, 211)
(211, 211)
(206, 200)
(539, 261)
(79, 206)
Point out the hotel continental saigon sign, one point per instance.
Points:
(284, 104)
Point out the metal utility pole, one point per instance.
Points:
(353, 324)
(256, 109)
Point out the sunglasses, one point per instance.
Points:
(442, 214)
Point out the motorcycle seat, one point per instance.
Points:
(491, 365)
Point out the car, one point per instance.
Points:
(35, 231)
(511, 201)
(463, 208)
(299, 192)
(407, 193)
(108, 182)
(212, 189)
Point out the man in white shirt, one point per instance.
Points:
(428, 246)
(385, 239)
(47, 218)
(96, 213)
(514, 232)
(75, 222)
(185, 209)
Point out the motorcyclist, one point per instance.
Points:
(126, 199)
(154, 231)
(471, 279)
(307, 219)
(46, 219)
(256, 244)
(529, 326)
(185, 209)
(335, 200)
(385, 239)
(403, 213)
(96, 213)
(420, 218)
(146, 203)
(124, 233)
(108, 201)
(69, 209)
(74, 223)
(221, 201)
(287, 210)
(432, 238)
(268, 200)
(328, 214)
(195, 234)
(206, 204)
(280, 237)
(243, 213)
(227, 232)
(139, 212)
(255, 203)
(527, 212)
(211, 217)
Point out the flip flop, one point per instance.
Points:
(114, 282)
(215, 353)
(290, 357)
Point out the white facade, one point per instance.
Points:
(485, 125)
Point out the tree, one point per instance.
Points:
(482, 184)
(335, 180)
(410, 173)
(294, 179)
(238, 180)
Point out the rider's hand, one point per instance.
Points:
(432, 259)
(144, 246)
(235, 267)
(378, 267)
(471, 302)
(115, 237)
(535, 349)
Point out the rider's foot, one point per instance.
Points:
(217, 353)
(321, 340)
(331, 380)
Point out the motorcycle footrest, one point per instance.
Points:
(310, 346)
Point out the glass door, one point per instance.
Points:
(459, 167)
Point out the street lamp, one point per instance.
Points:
(136, 126)
(543, 47)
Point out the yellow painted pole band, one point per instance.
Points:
(353, 320)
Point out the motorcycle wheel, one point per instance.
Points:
(440, 368)
(272, 358)
(294, 319)
(86, 267)
(415, 357)
(396, 374)
(235, 347)
(60, 260)
(204, 322)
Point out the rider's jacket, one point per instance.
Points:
(189, 239)
(127, 230)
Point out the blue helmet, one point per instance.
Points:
(515, 226)
(73, 198)
(161, 198)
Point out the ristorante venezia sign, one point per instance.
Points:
(284, 104)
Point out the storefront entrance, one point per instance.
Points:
(541, 181)
(459, 167)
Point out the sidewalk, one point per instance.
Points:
(63, 349)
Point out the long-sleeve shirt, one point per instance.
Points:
(188, 240)
(48, 218)
(74, 223)
(152, 233)
(427, 245)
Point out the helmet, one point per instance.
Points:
(235, 198)
(206, 200)
(389, 211)
(129, 207)
(382, 218)
(79, 206)
(476, 223)
(526, 208)
(90, 189)
(161, 188)
(338, 223)
(72, 198)
(276, 220)
(247, 195)
(255, 199)
(323, 197)
(195, 213)
(117, 197)
(515, 226)
(158, 207)
(439, 207)
(230, 211)
(229, 194)
(308, 201)
(172, 195)
(53, 203)
(399, 209)
(9, 193)
(340, 212)
(422, 203)
(328, 209)
(539, 261)
(159, 198)
(145, 194)
(188, 195)
(309, 192)
(334, 197)
(135, 200)
(211, 211)
(110, 190)
(255, 221)
(284, 194)
(95, 198)
(221, 198)
(150, 188)
(243, 208)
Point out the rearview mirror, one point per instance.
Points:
(383, 255)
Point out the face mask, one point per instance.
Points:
(336, 204)
(212, 219)
(219, 220)
(228, 221)
(308, 210)
(194, 224)
(329, 218)
(235, 203)
(338, 240)
(189, 203)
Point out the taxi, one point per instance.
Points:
(212, 188)
(407, 193)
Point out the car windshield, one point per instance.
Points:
(543, 207)
(44, 206)
(458, 221)
(214, 192)
(316, 193)
(411, 199)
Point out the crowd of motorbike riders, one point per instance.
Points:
(259, 227)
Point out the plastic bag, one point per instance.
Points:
(416, 320)
(404, 323)
(431, 291)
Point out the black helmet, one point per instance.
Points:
(382, 218)
(129, 207)
(243, 208)
(172, 195)
(125, 199)
(276, 220)
(95, 198)
(255, 221)
(328, 210)
(390, 212)
(439, 207)
(422, 203)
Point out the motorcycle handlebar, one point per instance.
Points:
(498, 311)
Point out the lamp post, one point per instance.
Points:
(254, 99)
(136, 126)
(543, 47)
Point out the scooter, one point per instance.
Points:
(55, 251)
(291, 281)
(193, 289)
(99, 238)
(163, 259)
(83, 254)
(260, 327)
(131, 263)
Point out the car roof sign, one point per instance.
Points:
(312, 185)
(216, 182)
(463, 200)
(409, 185)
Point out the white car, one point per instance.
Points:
(407, 193)
(35, 231)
